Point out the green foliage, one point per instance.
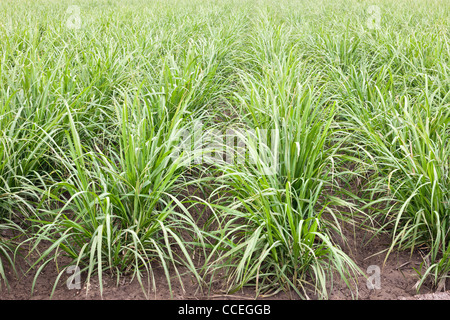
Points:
(92, 117)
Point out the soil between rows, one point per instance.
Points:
(397, 275)
(397, 280)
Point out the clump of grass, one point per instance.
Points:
(273, 234)
(411, 162)
(393, 102)
(404, 142)
(120, 213)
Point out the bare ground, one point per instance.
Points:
(397, 280)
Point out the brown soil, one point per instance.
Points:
(398, 277)
(397, 280)
(126, 289)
